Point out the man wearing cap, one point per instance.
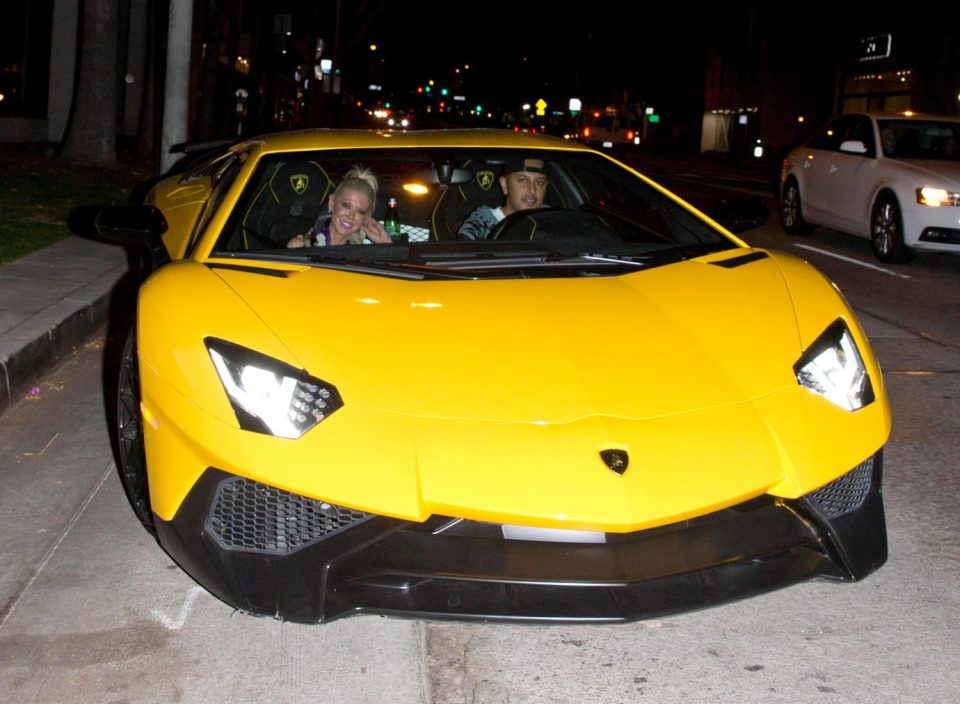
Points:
(524, 184)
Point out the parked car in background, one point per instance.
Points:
(893, 178)
(610, 408)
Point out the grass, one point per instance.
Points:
(37, 194)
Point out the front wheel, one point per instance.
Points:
(886, 231)
(133, 463)
(791, 210)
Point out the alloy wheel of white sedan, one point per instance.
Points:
(791, 212)
(886, 231)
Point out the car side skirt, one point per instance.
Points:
(446, 568)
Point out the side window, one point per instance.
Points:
(222, 178)
(833, 134)
(861, 129)
(828, 137)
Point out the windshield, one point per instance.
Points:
(920, 139)
(461, 212)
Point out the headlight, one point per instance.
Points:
(269, 396)
(937, 196)
(833, 368)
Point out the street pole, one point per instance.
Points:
(336, 66)
(176, 101)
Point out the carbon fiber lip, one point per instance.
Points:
(450, 569)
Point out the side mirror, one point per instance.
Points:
(853, 146)
(127, 225)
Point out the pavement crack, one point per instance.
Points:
(44, 449)
(925, 336)
(11, 605)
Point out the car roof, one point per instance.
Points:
(906, 116)
(299, 140)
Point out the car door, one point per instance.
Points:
(850, 177)
(814, 170)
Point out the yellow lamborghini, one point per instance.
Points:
(604, 408)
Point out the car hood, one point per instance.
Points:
(494, 400)
(937, 172)
(658, 342)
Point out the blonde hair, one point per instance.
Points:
(361, 179)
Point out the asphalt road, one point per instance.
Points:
(92, 610)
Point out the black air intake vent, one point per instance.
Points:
(254, 517)
(846, 493)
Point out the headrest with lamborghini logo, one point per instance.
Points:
(457, 202)
(287, 203)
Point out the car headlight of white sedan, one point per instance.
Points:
(937, 197)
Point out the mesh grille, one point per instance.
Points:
(846, 493)
(255, 517)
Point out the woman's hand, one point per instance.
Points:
(375, 232)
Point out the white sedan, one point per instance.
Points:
(893, 178)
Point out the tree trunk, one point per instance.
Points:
(92, 133)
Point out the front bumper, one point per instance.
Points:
(269, 552)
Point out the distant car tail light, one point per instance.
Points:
(937, 197)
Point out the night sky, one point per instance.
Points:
(511, 50)
(655, 51)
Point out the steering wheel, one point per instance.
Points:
(511, 221)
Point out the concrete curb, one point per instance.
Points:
(52, 301)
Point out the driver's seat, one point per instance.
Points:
(457, 202)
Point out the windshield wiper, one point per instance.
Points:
(299, 256)
(479, 261)
(638, 260)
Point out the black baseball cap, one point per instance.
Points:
(521, 163)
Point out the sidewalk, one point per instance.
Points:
(51, 301)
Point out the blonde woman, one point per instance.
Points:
(351, 218)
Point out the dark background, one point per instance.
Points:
(786, 67)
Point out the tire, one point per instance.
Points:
(791, 211)
(886, 231)
(129, 421)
